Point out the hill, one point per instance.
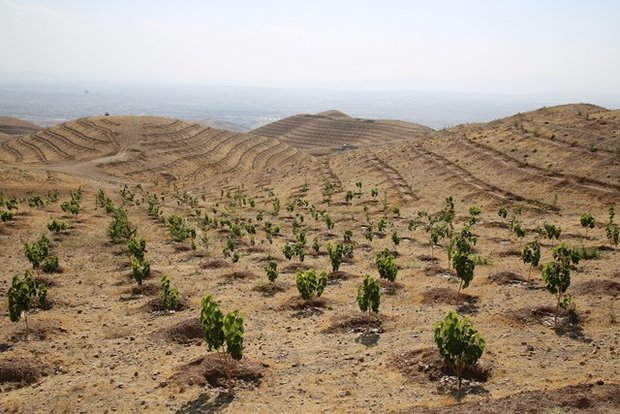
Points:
(207, 203)
(332, 131)
(139, 147)
(14, 126)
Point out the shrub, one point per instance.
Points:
(141, 269)
(395, 238)
(369, 295)
(611, 229)
(50, 264)
(551, 231)
(309, 283)
(587, 222)
(329, 222)
(6, 216)
(288, 250)
(381, 225)
(556, 276)
(530, 254)
(348, 236)
(474, 213)
(169, 296)
(70, 207)
(37, 251)
(35, 201)
(348, 197)
(120, 230)
(11, 204)
(271, 268)
(223, 331)
(179, 231)
(368, 233)
(374, 192)
(386, 265)
(52, 196)
(23, 295)
(464, 264)
(316, 246)
(56, 226)
(336, 252)
(459, 343)
(136, 247)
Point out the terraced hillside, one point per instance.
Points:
(331, 131)
(14, 126)
(139, 147)
(207, 203)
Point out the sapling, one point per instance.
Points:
(136, 247)
(551, 231)
(530, 254)
(224, 334)
(271, 268)
(368, 233)
(460, 345)
(395, 238)
(612, 229)
(374, 192)
(50, 264)
(140, 269)
(309, 283)
(56, 226)
(316, 245)
(464, 263)
(556, 276)
(369, 296)
(587, 222)
(120, 230)
(336, 252)
(329, 222)
(169, 296)
(37, 251)
(348, 197)
(24, 294)
(386, 266)
(502, 212)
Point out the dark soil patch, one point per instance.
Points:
(145, 289)
(447, 296)
(390, 288)
(215, 264)
(427, 258)
(569, 322)
(422, 365)
(298, 303)
(605, 248)
(581, 398)
(40, 330)
(182, 247)
(357, 322)
(293, 267)
(507, 278)
(509, 253)
(19, 372)
(156, 305)
(600, 287)
(255, 249)
(239, 275)
(337, 277)
(208, 370)
(46, 280)
(435, 270)
(185, 332)
(269, 289)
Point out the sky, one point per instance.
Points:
(514, 47)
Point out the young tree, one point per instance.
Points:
(530, 254)
(556, 276)
(309, 283)
(37, 251)
(169, 296)
(56, 226)
(395, 238)
(369, 296)
(348, 197)
(316, 245)
(141, 269)
(224, 334)
(459, 343)
(464, 263)
(336, 252)
(136, 247)
(120, 230)
(271, 268)
(386, 265)
(612, 229)
(23, 295)
(587, 222)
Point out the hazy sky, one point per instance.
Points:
(471, 46)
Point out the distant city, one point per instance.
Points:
(243, 108)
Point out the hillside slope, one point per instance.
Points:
(146, 148)
(14, 126)
(331, 131)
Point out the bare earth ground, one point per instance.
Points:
(103, 346)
